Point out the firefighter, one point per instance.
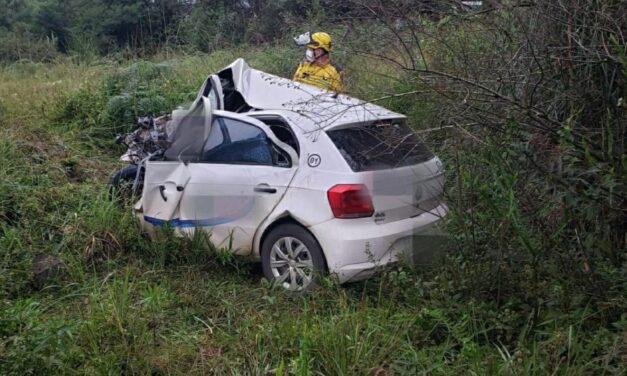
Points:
(317, 69)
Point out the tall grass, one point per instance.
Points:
(127, 305)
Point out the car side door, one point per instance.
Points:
(241, 175)
(165, 180)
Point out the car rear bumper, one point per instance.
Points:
(356, 248)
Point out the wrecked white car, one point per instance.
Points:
(303, 180)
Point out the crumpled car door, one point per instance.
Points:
(164, 186)
(234, 189)
(165, 181)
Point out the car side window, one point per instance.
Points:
(216, 136)
(239, 131)
(281, 130)
(237, 142)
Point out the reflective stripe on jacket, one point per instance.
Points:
(327, 77)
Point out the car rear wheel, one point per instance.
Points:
(291, 257)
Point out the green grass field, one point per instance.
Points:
(126, 305)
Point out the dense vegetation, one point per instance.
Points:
(525, 105)
(43, 29)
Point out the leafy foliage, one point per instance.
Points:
(41, 28)
(533, 281)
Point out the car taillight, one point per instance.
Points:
(350, 201)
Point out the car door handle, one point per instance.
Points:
(265, 188)
(179, 188)
(161, 189)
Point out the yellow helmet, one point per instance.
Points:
(320, 40)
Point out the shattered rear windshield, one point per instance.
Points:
(381, 145)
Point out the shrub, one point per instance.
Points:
(23, 46)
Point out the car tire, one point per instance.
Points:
(121, 184)
(291, 257)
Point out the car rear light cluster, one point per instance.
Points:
(350, 201)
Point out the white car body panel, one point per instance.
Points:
(357, 247)
(221, 198)
(161, 194)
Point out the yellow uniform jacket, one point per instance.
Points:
(327, 77)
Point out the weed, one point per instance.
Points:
(504, 300)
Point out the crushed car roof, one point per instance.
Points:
(325, 109)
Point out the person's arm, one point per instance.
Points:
(338, 82)
(297, 72)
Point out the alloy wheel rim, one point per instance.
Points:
(291, 263)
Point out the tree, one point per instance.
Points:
(535, 93)
(52, 20)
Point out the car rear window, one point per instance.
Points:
(379, 146)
